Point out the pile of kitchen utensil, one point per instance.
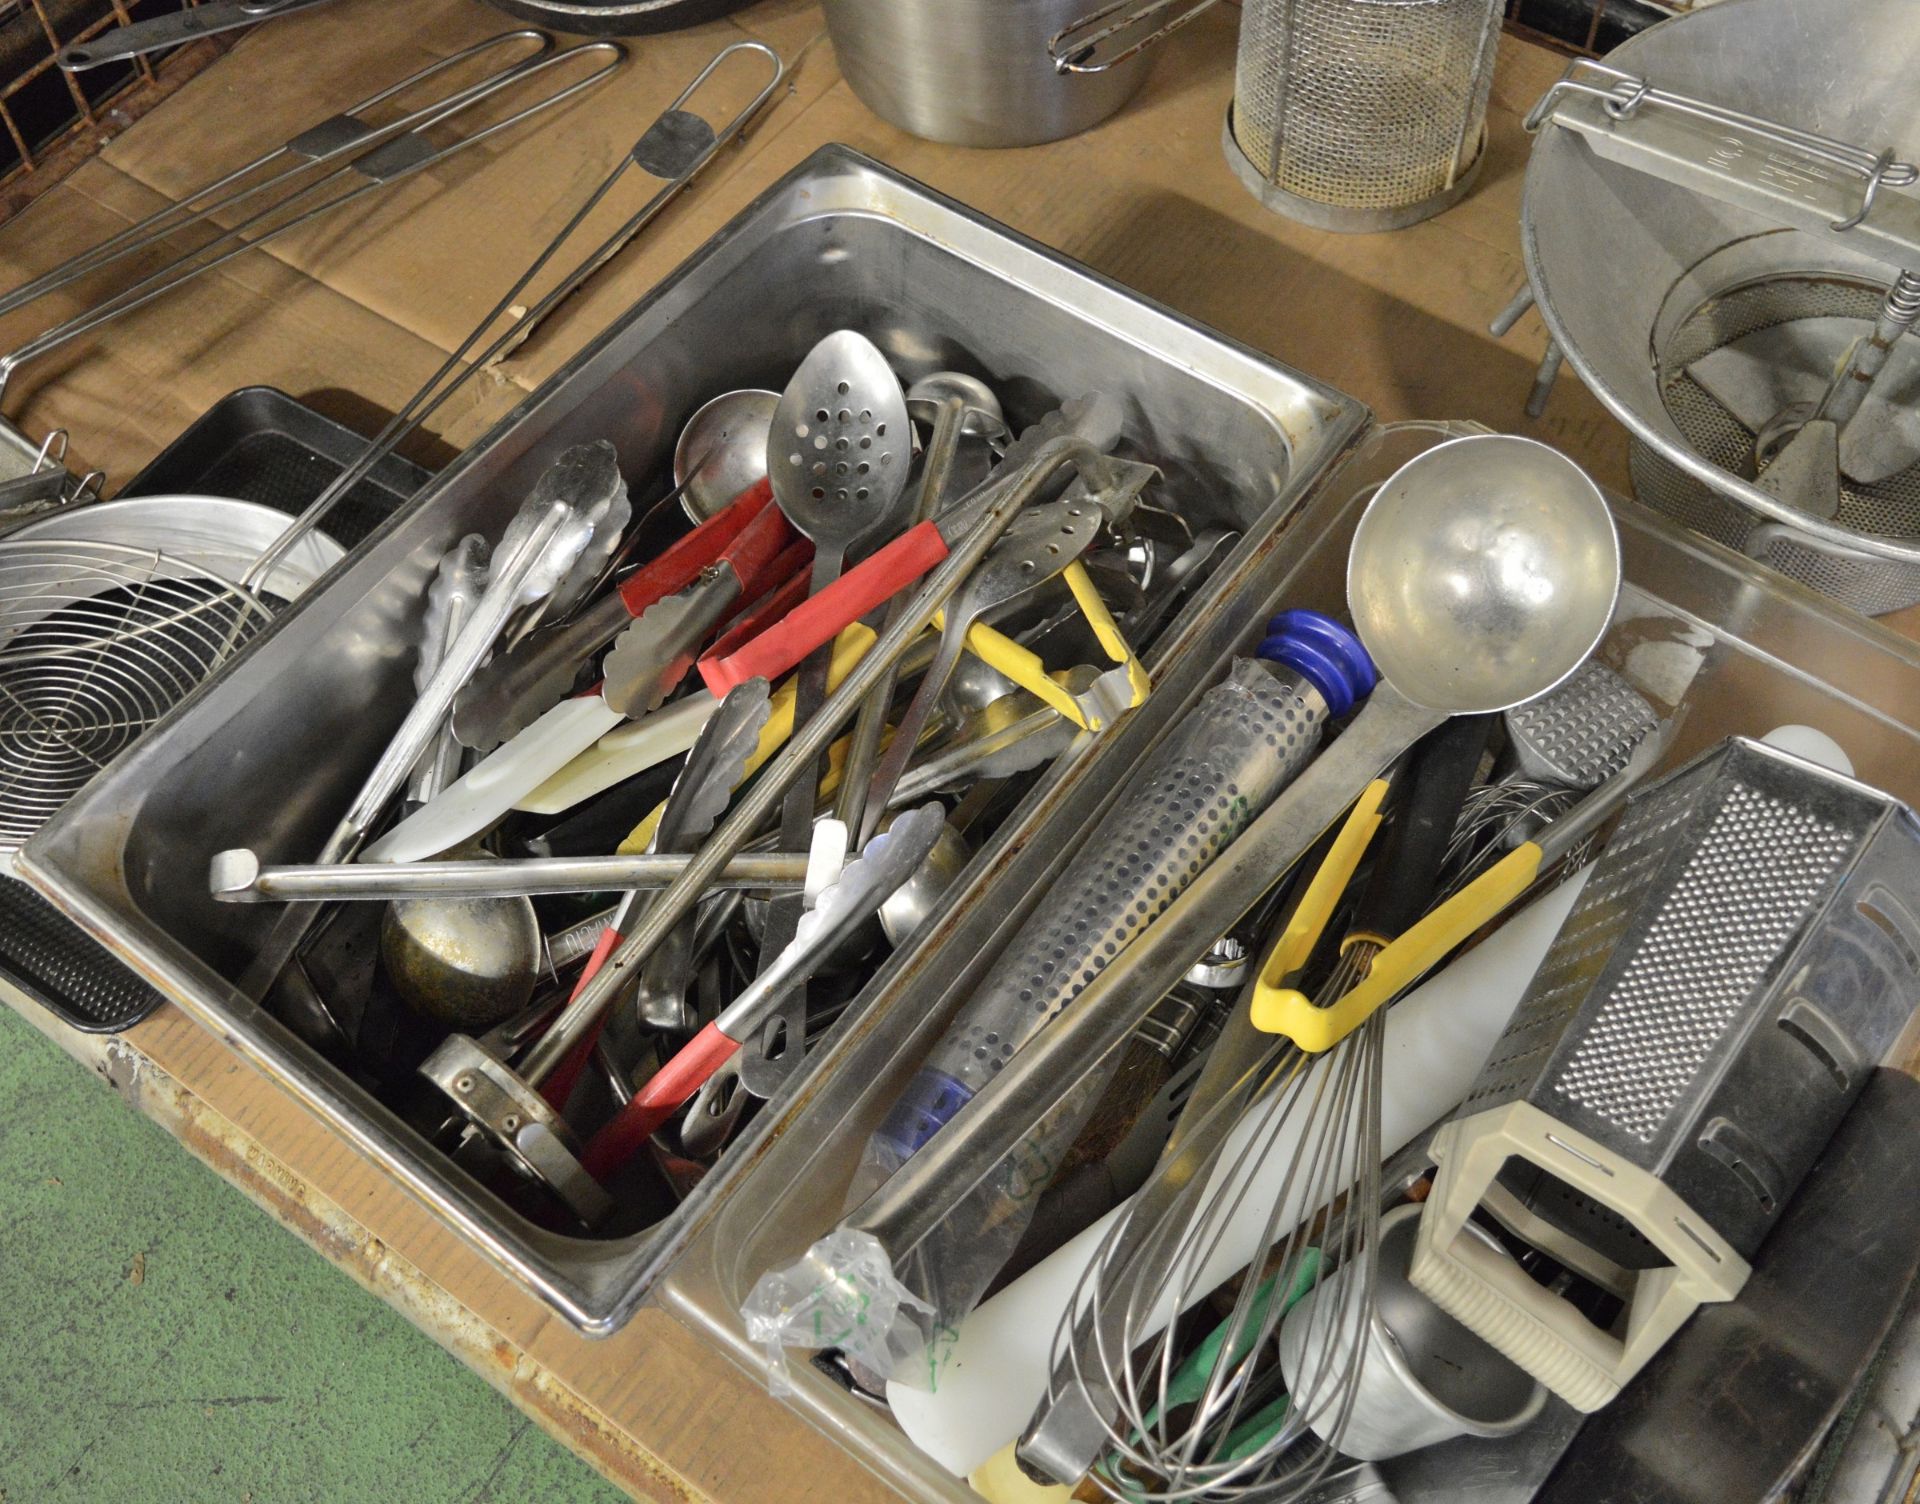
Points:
(668, 795)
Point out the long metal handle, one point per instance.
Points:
(927, 1188)
(328, 141)
(238, 876)
(803, 747)
(1075, 48)
(138, 38)
(398, 157)
(463, 364)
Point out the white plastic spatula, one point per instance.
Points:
(627, 750)
(465, 808)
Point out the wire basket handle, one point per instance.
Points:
(1076, 47)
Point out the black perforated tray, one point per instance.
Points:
(257, 444)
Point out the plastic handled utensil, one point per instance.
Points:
(1115, 480)
(949, 417)
(1403, 946)
(649, 659)
(877, 579)
(838, 455)
(888, 862)
(1036, 548)
(1482, 573)
(540, 546)
(522, 684)
(714, 767)
(456, 589)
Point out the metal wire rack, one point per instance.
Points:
(97, 642)
(51, 121)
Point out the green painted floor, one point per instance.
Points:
(167, 1341)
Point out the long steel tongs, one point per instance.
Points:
(675, 147)
(399, 149)
(137, 38)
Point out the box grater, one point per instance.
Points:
(1742, 956)
(1361, 115)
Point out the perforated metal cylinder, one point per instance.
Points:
(1361, 114)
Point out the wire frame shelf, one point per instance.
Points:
(52, 121)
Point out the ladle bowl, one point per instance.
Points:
(1483, 573)
(722, 450)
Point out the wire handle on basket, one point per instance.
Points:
(678, 143)
(1075, 48)
(1624, 95)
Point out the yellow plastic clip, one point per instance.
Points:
(1402, 962)
(1024, 667)
(1309, 920)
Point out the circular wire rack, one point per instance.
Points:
(97, 642)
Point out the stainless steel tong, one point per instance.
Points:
(364, 157)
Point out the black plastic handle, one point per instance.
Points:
(1406, 867)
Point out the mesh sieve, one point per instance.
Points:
(97, 642)
(1362, 114)
(1887, 509)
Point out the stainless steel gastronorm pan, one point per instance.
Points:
(1737, 647)
(269, 751)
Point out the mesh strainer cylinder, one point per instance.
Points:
(1361, 114)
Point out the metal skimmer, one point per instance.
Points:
(97, 642)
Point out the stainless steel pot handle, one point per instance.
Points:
(1075, 48)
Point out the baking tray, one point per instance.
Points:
(1739, 646)
(256, 444)
(269, 751)
(259, 444)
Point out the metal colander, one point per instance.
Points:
(97, 642)
(1888, 508)
(1361, 114)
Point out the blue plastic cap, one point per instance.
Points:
(931, 1098)
(1323, 652)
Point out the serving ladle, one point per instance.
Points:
(1482, 574)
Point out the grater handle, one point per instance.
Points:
(1544, 1333)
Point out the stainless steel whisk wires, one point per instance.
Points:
(1211, 1425)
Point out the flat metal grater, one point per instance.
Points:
(1743, 955)
(1583, 733)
